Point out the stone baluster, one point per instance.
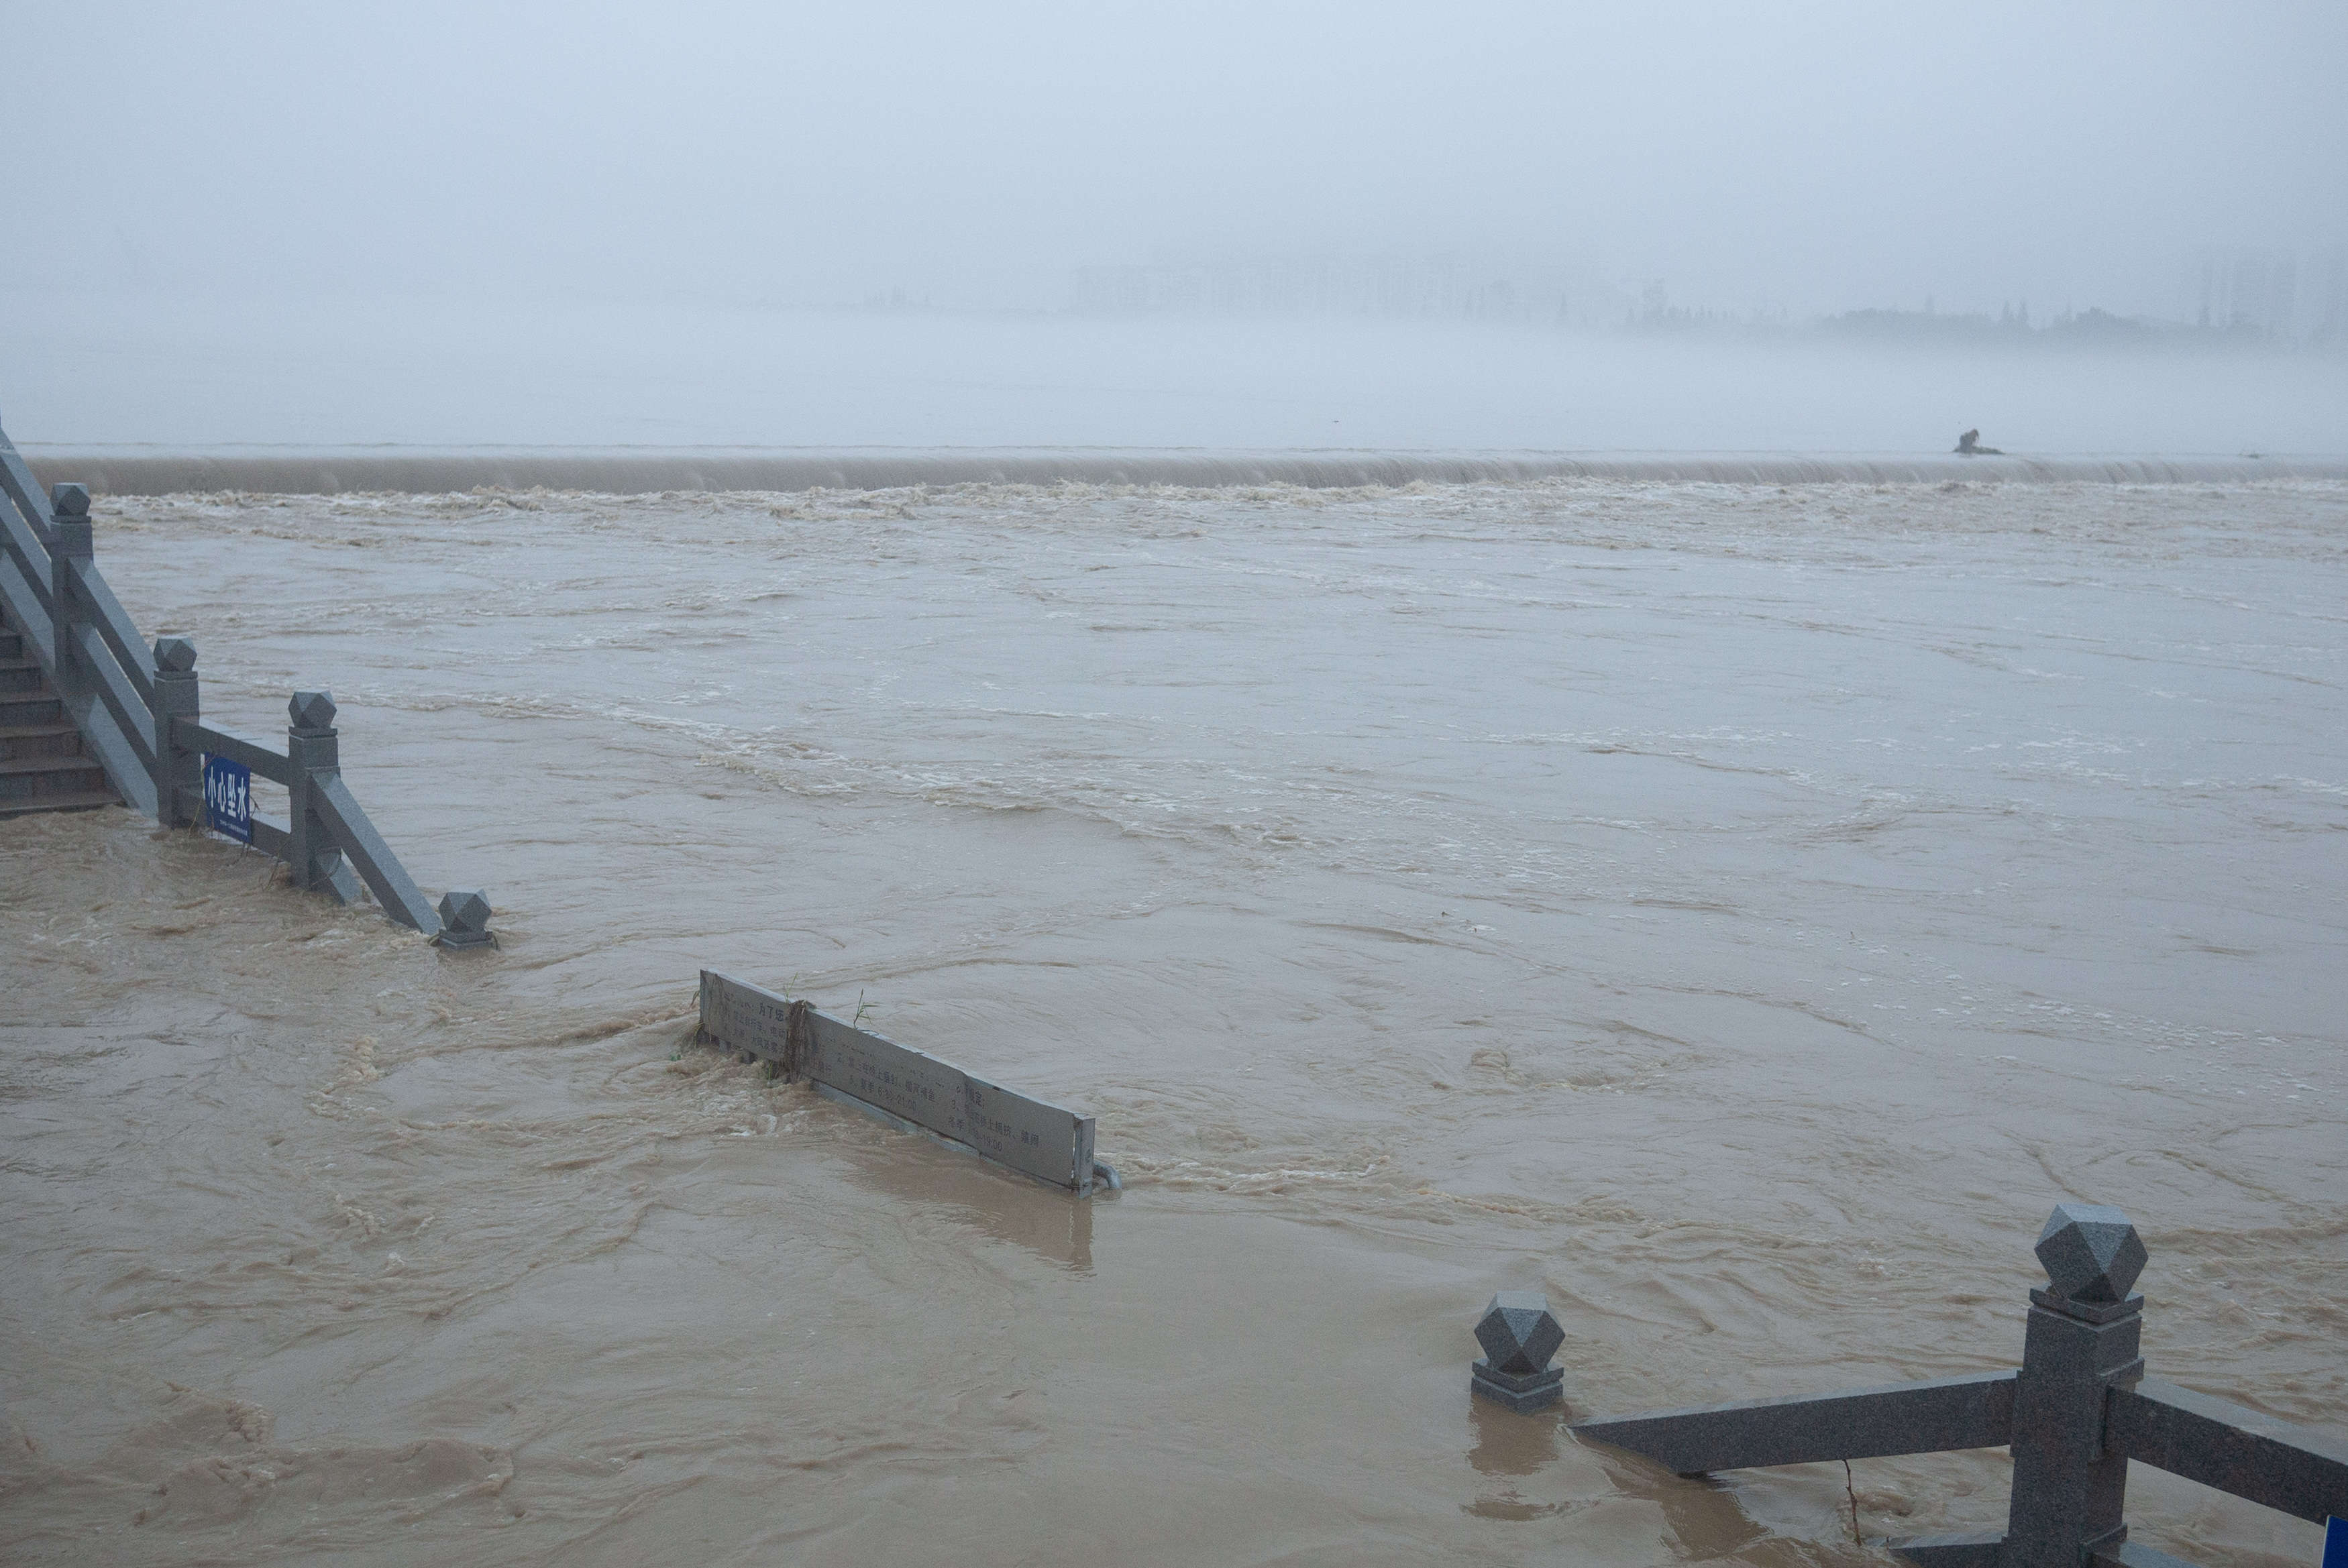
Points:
(314, 750)
(2079, 1344)
(179, 772)
(1518, 1334)
(69, 505)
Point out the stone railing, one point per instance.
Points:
(2074, 1414)
(137, 709)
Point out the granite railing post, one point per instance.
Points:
(464, 919)
(2079, 1344)
(70, 506)
(178, 775)
(314, 748)
(2073, 1417)
(1518, 1334)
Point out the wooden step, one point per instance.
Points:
(22, 676)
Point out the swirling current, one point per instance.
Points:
(1739, 910)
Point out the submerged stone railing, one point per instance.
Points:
(2077, 1410)
(138, 711)
(908, 1089)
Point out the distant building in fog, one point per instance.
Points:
(2327, 301)
(2246, 291)
(1432, 287)
(2237, 297)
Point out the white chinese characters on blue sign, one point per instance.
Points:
(228, 798)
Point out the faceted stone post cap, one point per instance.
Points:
(1518, 1332)
(69, 500)
(175, 654)
(464, 909)
(312, 710)
(2091, 1251)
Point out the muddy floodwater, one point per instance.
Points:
(1741, 912)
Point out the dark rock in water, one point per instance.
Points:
(1969, 445)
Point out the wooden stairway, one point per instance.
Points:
(42, 765)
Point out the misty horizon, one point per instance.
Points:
(925, 224)
(1357, 665)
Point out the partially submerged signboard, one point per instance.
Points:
(862, 1070)
(228, 798)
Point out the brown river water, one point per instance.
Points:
(1740, 911)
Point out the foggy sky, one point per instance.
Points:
(1810, 157)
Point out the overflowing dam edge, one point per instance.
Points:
(649, 471)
